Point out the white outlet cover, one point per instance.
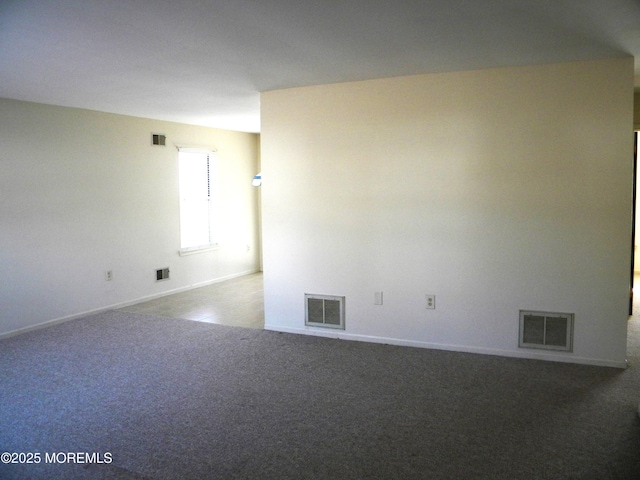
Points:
(431, 302)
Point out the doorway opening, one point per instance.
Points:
(635, 233)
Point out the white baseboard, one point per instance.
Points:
(179, 290)
(115, 306)
(330, 333)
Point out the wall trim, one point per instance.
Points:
(75, 316)
(452, 348)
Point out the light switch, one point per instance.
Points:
(377, 298)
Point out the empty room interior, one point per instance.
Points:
(291, 239)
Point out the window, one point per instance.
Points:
(198, 205)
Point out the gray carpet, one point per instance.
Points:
(177, 399)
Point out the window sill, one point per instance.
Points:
(198, 249)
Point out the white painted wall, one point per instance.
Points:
(84, 192)
(495, 190)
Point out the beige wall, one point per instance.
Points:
(495, 190)
(636, 110)
(85, 192)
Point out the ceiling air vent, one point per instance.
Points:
(549, 331)
(324, 311)
(157, 139)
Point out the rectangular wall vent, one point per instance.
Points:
(162, 274)
(157, 139)
(324, 311)
(550, 331)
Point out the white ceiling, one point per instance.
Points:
(204, 62)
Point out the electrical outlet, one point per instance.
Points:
(431, 302)
(108, 276)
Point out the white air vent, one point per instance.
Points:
(550, 331)
(324, 311)
(162, 274)
(157, 139)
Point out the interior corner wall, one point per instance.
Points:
(494, 190)
(85, 192)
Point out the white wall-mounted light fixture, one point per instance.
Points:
(257, 180)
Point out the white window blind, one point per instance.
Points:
(198, 200)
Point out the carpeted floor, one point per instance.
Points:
(162, 398)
